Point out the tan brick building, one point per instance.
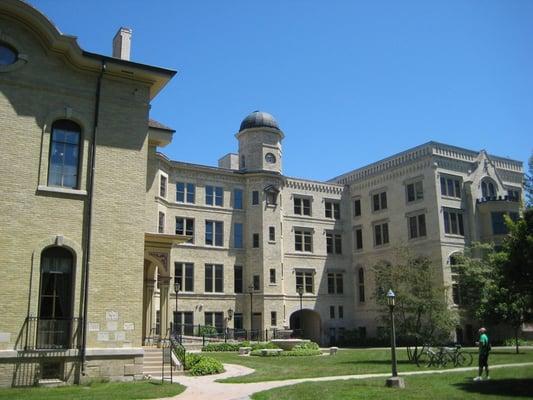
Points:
(55, 99)
(93, 239)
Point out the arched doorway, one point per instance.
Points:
(55, 298)
(308, 321)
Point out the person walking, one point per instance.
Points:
(484, 349)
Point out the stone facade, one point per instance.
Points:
(258, 251)
(416, 191)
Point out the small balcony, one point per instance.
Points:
(51, 333)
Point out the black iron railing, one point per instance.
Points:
(52, 333)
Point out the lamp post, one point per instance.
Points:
(395, 380)
(176, 289)
(251, 291)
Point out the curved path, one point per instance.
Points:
(205, 387)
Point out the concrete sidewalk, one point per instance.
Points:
(205, 387)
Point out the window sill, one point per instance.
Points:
(380, 246)
(59, 190)
(413, 202)
(418, 238)
(454, 235)
(451, 197)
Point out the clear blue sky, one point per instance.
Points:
(350, 82)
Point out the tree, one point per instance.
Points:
(518, 271)
(422, 311)
(528, 182)
(486, 294)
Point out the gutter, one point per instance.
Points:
(88, 227)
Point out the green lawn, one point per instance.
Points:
(96, 391)
(346, 362)
(508, 383)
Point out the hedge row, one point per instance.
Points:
(198, 364)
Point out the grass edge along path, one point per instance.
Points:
(346, 362)
(96, 391)
(508, 381)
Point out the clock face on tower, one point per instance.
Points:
(270, 158)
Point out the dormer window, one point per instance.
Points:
(8, 55)
(271, 194)
(488, 188)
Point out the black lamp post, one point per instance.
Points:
(300, 290)
(176, 289)
(395, 380)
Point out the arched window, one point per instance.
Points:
(361, 283)
(55, 298)
(8, 55)
(488, 188)
(64, 160)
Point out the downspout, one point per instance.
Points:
(88, 227)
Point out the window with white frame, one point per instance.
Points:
(214, 233)
(273, 318)
(238, 238)
(453, 222)
(414, 191)
(488, 188)
(163, 185)
(64, 158)
(381, 233)
(302, 206)
(450, 186)
(238, 196)
(305, 279)
(358, 236)
(417, 226)
(455, 274)
(335, 283)
(184, 276)
(271, 234)
(161, 222)
(185, 227)
(379, 201)
(333, 209)
(185, 192)
(303, 240)
(333, 243)
(361, 284)
(272, 275)
(214, 196)
(214, 278)
(357, 207)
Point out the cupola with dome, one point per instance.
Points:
(260, 143)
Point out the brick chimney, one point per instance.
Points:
(122, 43)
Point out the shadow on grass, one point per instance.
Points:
(504, 387)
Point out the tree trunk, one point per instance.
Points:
(516, 329)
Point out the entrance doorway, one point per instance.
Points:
(308, 322)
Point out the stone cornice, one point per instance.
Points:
(322, 187)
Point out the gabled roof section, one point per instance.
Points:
(68, 47)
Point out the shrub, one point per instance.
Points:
(306, 346)
(263, 345)
(191, 359)
(259, 353)
(206, 366)
(207, 330)
(222, 347)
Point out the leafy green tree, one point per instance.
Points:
(518, 271)
(422, 312)
(487, 296)
(528, 182)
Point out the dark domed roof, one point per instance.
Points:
(259, 119)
